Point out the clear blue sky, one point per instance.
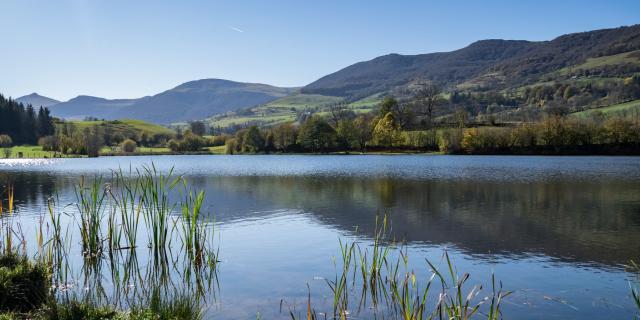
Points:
(127, 49)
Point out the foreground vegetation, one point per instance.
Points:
(117, 225)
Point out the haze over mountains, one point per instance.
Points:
(483, 65)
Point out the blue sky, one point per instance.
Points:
(128, 49)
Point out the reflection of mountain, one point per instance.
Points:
(589, 222)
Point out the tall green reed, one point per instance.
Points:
(91, 205)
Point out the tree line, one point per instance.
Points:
(413, 125)
(24, 124)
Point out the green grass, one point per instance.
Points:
(616, 59)
(33, 152)
(127, 126)
(302, 101)
(268, 119)
(218, 149)
(627, 108)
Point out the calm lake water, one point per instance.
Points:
(555, 230)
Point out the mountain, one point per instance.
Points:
(37, 100)
(189, 101)
(504, 62)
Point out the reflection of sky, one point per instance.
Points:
(543, 235)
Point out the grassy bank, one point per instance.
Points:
(36, 152)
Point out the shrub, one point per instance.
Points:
(129, 146)
(24, 286)
(231, 146)
(422, 139)
(485, 140)
(49, 143)
(217, 141)
(191, 142)
(173, 145)
(5, 141)
(449, 140)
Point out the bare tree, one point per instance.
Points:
(337, 112)
(427, 100)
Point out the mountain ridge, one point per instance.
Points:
(192, 100)
(519, 61)
(37, 100)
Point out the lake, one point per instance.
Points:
(556, 231)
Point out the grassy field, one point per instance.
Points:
(33, 152)
(264, 119)
(284, 109)
(302, 101)
(616, 59)
(622, 109)
(127, 126)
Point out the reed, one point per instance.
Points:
(156, 206)
(91, 207)
(397, 292)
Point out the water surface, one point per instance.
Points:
(556, 230)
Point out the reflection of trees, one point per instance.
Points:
(587, 221)
(30, 188)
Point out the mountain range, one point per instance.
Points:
(505, 62)
(189, 101)
(483, 65)
(37, 100)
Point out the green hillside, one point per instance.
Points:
(126, 127)
(621, 109)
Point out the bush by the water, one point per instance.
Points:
(23, 285)
(129, 146)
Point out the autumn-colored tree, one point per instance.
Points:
(387, 133)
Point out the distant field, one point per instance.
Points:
(127, 126)
(32, 152)
(284, 109)
(632, 57)
(302, 101)
(622, 109)
(266, 119)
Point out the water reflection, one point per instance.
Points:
(280, 219)
(589, 222)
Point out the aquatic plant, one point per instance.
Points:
(91, 206)
(397, 292)
(174, 283)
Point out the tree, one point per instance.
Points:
(388, 104)
(338, 112)
(191, 142)
(93, 141)
(198, 128)
(461, 116)
(346, 134)
(5, 143)
(387, 133)
(284, 137)
(316, 135)
(363, 131)
(173, 145)
(252, 141)
(129, 146)
(427, 99)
